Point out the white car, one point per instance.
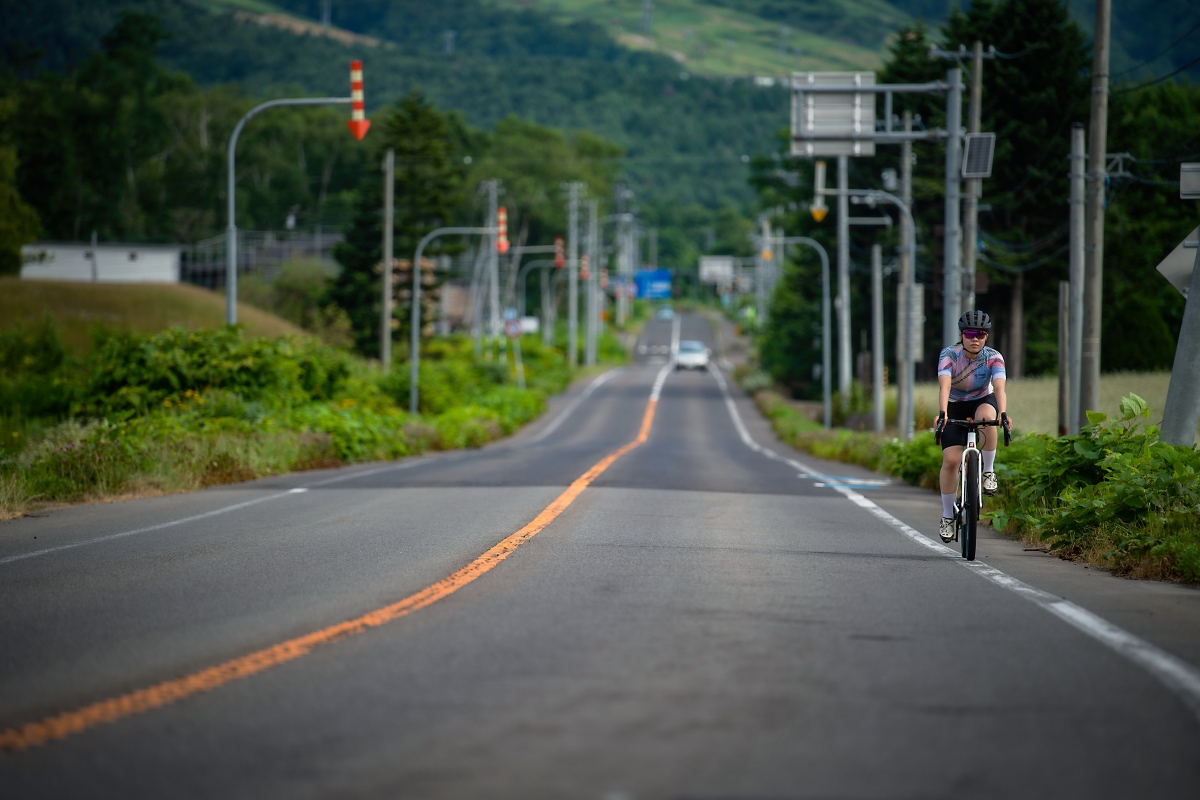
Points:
(692, 355)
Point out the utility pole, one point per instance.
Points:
(952, 266)
(493, 190)
(877, 335)
(843, 275)
(904, 363)
(573, 273)
(1075, 312)
(389, 214)
(593, 282)
(974, 186)
(1089, 371)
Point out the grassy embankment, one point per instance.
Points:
(134, 413)
(1113, 496)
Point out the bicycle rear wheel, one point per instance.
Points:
(971, 506)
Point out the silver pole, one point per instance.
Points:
(1078, 223)
(231, 192)
(494, 329)
(385, 320)
(973, 185)
(843, 274)
(905, 365)
(953, 287)
(1093, 288)
(593, 282)
(1064, 358)
(573, 276)
(877, 335)
(415, 341)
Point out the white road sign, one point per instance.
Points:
(829, 123)
(1177, 267)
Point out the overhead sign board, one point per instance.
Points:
(833, 123)
(653, 284)
(1189, 181)
(716, 270)
(1177, 267)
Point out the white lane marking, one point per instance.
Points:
(215, 512)
(656, 391)
(1176, 674)
(570, 409)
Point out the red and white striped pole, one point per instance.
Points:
(358, 122)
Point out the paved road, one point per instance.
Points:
(706, 619)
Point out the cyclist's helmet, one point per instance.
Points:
(974, 320)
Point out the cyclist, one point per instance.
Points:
(971, 381)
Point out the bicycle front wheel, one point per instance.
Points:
(971, 506)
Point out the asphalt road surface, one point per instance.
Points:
(711, 616)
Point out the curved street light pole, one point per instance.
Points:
(415, 351)
(523, 274)
(231, 231)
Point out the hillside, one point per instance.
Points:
(139, 308)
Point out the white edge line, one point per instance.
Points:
(297, 490)
(1176, 674)
(569, 410)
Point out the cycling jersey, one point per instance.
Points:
(970, 378)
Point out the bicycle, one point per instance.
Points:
(970, 481)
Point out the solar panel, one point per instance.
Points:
(977, 155)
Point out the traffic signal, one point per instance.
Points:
(583, 266)
(560, 257)
(502, 230)
(818, 208)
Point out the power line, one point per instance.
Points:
(1158, 54)
(1024, 267)
(1156, 81)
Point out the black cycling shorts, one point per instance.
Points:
(956, 435)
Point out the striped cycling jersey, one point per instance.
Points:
(970, 378)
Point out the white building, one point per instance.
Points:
(104, 263)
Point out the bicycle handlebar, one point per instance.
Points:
(971, 424)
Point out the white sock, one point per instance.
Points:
(948, 506)
(989, 460)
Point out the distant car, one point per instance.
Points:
(666, 312)
(692, 355)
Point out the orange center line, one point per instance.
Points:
(67, 723)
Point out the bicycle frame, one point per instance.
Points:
(970, 450)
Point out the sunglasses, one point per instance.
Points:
(974, 334)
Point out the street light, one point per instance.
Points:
(358, 125)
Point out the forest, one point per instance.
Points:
(114, 118)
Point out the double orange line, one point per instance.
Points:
(64, 724)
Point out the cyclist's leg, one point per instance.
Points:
(989, 438)
(948, 478)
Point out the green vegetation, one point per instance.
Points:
(1113, 496)
(184, 409)
(140, 309)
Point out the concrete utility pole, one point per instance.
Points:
(1093, 294)
(877, 335)
(952, 266)
(904, 360)
(573, 273)
(494, 329)
(389, 214)
(974, 186)
(593, 282)
(1064, 349)
(843, 275)
(1075, 312)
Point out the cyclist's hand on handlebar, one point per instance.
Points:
(1006, 423)
(939, 426)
